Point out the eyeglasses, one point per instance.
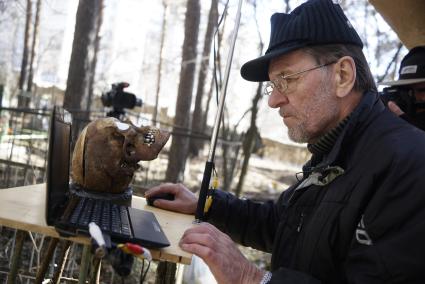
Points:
(281, 82)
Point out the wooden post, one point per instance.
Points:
(62, 260)
(166, 273)
(85, 263)
(95, 271)
(14, 263)
(41, 272)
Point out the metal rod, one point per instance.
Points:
(209, 166)
(223, 90)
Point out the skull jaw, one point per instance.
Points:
(112, 178)
(105, 183)
(123, 198)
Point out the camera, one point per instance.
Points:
(402, 96)
(118, 99)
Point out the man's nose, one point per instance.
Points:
(277, 99)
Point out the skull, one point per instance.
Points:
(107, 153)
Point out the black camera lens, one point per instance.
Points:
(403, 97)
(120, 99)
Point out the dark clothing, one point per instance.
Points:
(359, 216)
(417, 119)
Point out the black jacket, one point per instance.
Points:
(362, 220)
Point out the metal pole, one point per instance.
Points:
(209, 165)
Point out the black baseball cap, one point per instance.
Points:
(315, 22)
(412, 68)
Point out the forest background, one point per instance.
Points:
(69, 52)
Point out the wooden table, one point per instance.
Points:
(23, 208)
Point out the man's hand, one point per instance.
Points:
(395, 108)
(220, 253)
(184, 201)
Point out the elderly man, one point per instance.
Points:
(410, 88)
(357, 215)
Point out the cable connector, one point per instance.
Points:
(135, 250)
(209, 200)
(215, 182)
(208, 204)
(97, 236)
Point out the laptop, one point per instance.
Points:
(70, 214)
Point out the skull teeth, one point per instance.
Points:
(125, 165)
(149, 137)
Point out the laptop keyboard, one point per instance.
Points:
(111, 218)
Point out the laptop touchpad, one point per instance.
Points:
(146, 229)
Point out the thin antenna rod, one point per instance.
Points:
(209, 165)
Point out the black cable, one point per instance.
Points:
(215, 51)
(141, 272)
(144, 273)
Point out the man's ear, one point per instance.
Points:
(345, 76)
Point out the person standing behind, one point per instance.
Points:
(410, 88)
(357, 215)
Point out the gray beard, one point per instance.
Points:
(299, 133)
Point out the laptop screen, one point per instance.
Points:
(58, 161)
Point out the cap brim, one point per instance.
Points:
(403, 82)
(257, 70)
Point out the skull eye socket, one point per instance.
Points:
(117, 135)
(130, 149)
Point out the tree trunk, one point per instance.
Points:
(197, 125)
(77, 86)
(94, 61)
(392, 62)
(34, 45)
(22, 100)
(249, 140)
(180, 144)
(215, 82)
(207, 105)
(226, 134)
(230, 154)
(252, 132)
(287, 7)
(161, 50)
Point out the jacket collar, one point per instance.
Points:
(369, 106)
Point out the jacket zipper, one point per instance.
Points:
(300, 224)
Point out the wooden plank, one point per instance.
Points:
(405, 17)
(24, 208)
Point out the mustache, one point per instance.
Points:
(284, 113)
